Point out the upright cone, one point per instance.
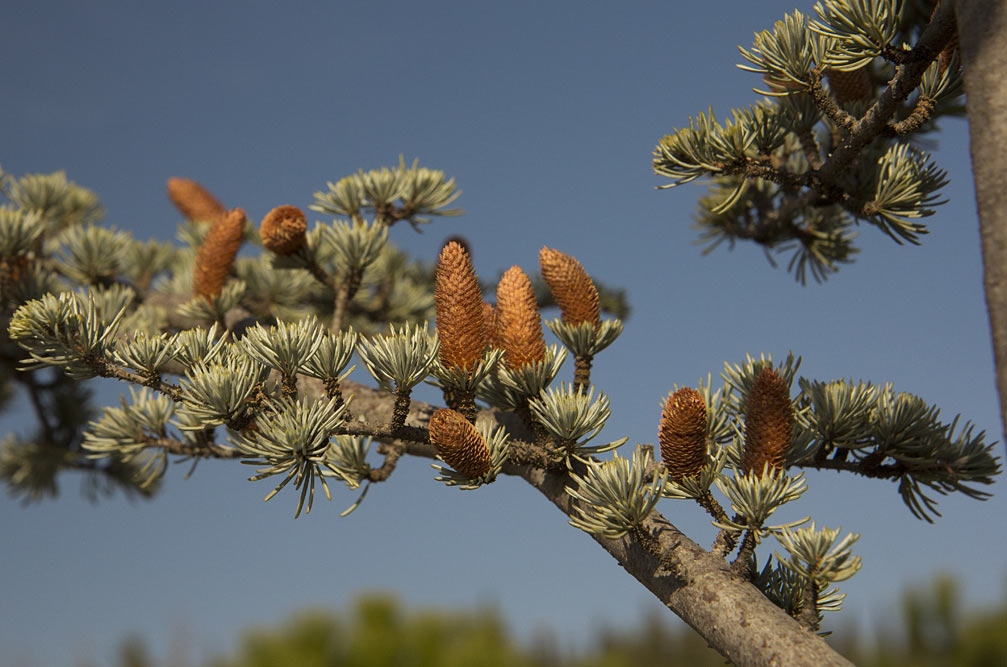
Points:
(852, 86)
(769, 423)
(682, 434)
(216, 254)
(571, 286)
(459, 305)
(518, 325)
(194, 201)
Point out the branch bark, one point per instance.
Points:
(982, 28)
(732, 615)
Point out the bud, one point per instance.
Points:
(682, 434)
(459, 305)
(459, 443)
(518, 326)
(769, 423)
(216, 253)
(193, 200)
(571, 287)
(852, 86)
(283, 229)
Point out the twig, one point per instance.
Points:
(809, 603)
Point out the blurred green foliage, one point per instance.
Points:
(377, 631)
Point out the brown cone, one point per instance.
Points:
(216, 254)
(769, 423)
(194, 201)
(570, 286)
(682, 433)
(489, 324)
(852, 86)
(459, 305)
(518, 327)
(459, 443)
(283, 230)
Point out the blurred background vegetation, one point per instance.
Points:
(930, 629)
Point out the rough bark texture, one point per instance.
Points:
(733, 616)
(982, 28)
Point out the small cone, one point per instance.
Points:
(682, 434)
(769, 423)
(852, 86)
(194, 201)
(571, 286)
(459, 443)
(216, 254)
(283, 230)
(518, 326)
(459, 304)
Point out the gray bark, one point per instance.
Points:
(982, 29)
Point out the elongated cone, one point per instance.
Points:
(489, 323)
(194, 201)
(459, 305)
(216, 254)
(682, 433)
(852, 86)
(518, 326)
(283, 230)
(769, 423)
(570, 286)
(459, 443)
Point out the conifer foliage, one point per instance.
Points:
(248, 357)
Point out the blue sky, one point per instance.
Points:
(546, 114)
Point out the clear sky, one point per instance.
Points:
(546, 114)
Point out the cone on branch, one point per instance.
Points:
(571, 286)
(459, 304)
(216, 254)
(848, 87)
(682, 434)
(283, 230)
(459, 443)
(518, 325)
(769, 423)
(194, 201)
(489, 324)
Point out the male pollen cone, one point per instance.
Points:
(194, 201)
(459, 305)
(518, 326)
(216, 254)
(570, 286)
(459, 443)
(283, 229)
(682, 433)
(489, 324)
(852, 86)
(769, 423)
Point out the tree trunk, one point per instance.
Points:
(982, 29)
